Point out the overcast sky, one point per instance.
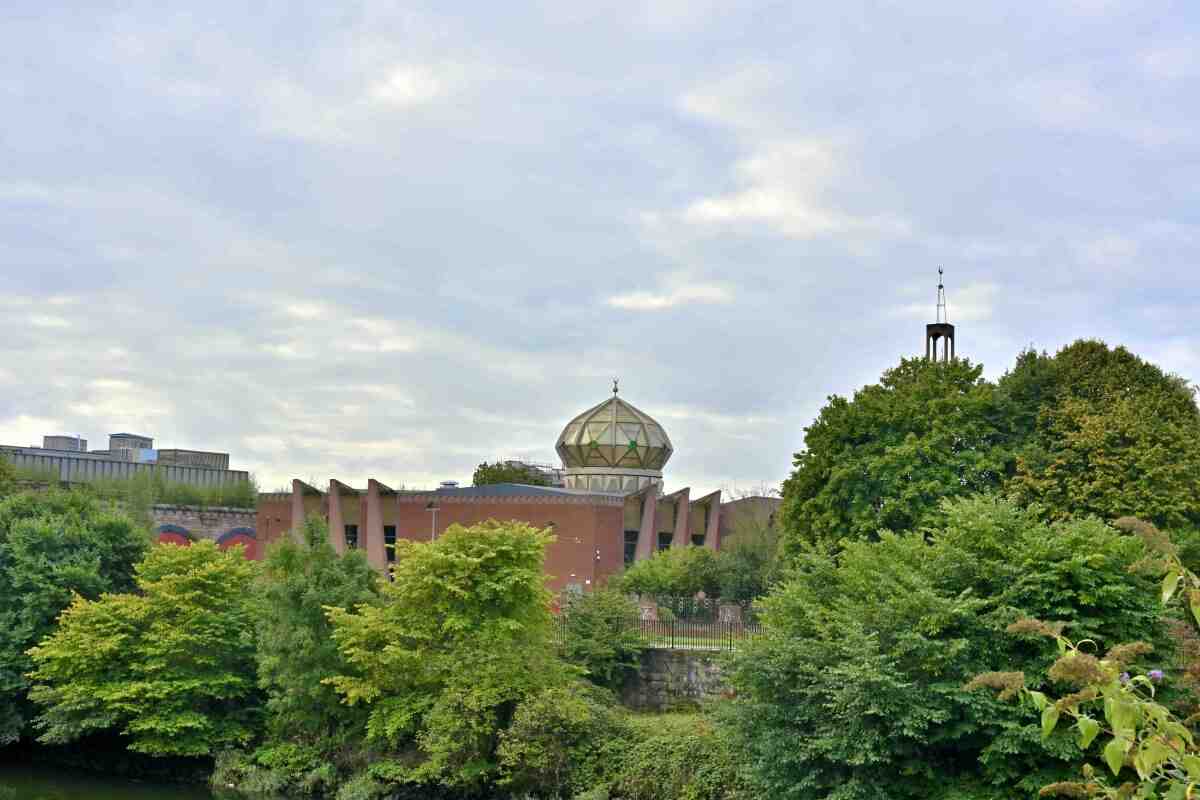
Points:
(396, 239)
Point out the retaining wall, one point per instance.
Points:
(669, 679)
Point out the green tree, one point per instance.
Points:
(599, 634)
(678, 572)
(748, 562)
(296, 653)
(8, 477)
(171, 668)
(1112, 436)
(505, 472)
(886, 458)
(462, 635)
(53, 546)
(856, 688)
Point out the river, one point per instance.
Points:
(20, 782)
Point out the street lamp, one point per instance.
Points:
(432, 507)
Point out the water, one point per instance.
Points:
(23, 782)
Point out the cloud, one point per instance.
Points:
(973, 302)
(683, 295)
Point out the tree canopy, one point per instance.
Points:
(505, 472)
(170, 667)
(460, 638)
(885, 459)
(54, 546)
(856, 689)
(1090, 430)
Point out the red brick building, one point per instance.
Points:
(611, 512)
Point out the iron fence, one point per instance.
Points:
(684, 634)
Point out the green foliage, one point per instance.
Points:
(1113, 436)
(502, 472)
(296, 652)
(148, 487)
(855, 689)
(748, 560)
(677, 757)
(597, 636)
(461, 637)
(561, 742)
(8, 477)
(885, 459)
(171, 668)
(675, 572)
(53, 546)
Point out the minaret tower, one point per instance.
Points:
(941, 331)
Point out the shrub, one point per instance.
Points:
(598, 634)
(855, 690)
(676, 757)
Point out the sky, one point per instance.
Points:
(396, 239)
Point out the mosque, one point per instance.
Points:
(610, 511)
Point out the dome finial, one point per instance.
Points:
(615, 385)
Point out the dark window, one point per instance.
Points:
(631, 538)
(664, 541)
(352, 536)
(389, 541)
(698, 540)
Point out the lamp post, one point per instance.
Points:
(432, 507)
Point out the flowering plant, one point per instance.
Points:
(1108, 702)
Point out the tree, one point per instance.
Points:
(678, 572)
(171, 667)
(8, 477)
(462, 635)
(296, 652)
(597, 635)
(1117, 713)
(748, 562)
(885, 459)
(1113, 436)
(53, 546)
(855, 690)
(507, 472)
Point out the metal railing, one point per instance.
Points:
(685, 634)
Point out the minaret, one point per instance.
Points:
(940, 331)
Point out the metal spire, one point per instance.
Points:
(614, 386)
(942, 314)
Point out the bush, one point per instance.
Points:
(599, 634)
(677, 572)
(856, 687)
(676, 757)
(560, 742)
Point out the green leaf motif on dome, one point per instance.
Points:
(633, 444)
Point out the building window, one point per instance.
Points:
(698, 539)
(352, 536)
(389, 542)
(664, 541)
(631, 539)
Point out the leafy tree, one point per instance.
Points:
(296, 653)
(171, 668)
(53, 546)
(1113, 436)
(8, 477)
(884, 460)
(505, 472)
(1116, 714)
(678, 572)
(597, 635)
(462, 635)
(749, 559)
(856, 688)
(562, 741)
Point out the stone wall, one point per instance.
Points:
(669, 679)
(204, 522)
